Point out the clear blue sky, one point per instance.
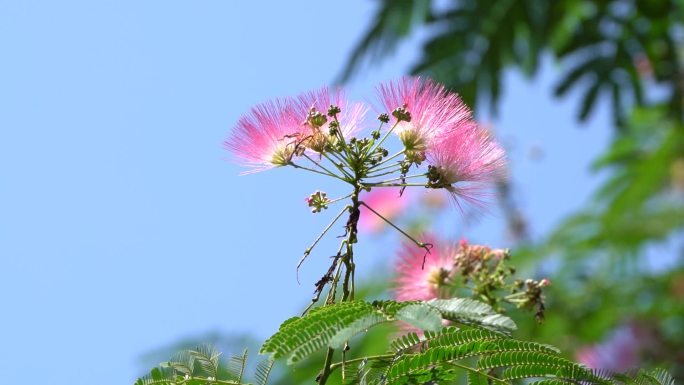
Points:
(122, 225)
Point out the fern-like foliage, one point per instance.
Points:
(201, 366)
(333, 325)
(475, 354)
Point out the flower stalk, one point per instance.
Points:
(431, 123)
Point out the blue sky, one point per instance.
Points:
(123, 227)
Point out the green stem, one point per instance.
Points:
(368, 148)
(479, 372)
(321, 166)
(312, 170)
(396, 184)
(419, 244)
(323, 378)
(339, 158)
(395, 168)
(208, 381)
(348, 259)
(333, 285)
(375, 167)
(384, 137)
(512, 296)
(399, 178)
(347, 362)
(340, 136)
(338, 199)
(310, 248)
(339, 167)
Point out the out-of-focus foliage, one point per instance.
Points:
(641, 202)
(605, 46)
(614, 266)
(203, 365)
(613, 262)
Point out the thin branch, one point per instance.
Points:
(393, 169)
(339, 199)
(347, 362)
(316, 171)
(375, 147)
(479, 372)
(321, 166)
(399, 178)
(338, 166)
(396, 184)
(323, 377)
(310, 248)
(387, 160)
(376, 168)
(426, 246)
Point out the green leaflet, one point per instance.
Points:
(333, 325)
(358, 326)
(202, 365)
(475, 378)
(421, 316)
(469, 311)
(302, 336)
(451, 350)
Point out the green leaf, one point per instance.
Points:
(475, 378)
(262, 371)
(236, 366)
(469, 311)
(421, 316)
(300, 337)
(358, 326)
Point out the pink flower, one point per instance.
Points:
(274, 131)
(619, 352)
(385, 201)
(267, 136)
(434, 112)
(319, 101)
(414, 282)
(466, 161)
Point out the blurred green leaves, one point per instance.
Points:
(608, 259)
(607, 48)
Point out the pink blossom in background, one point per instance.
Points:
(468, 160)
(619, 352)
(351, 115)
(265, 137)
(434, 110)
(433, 199)
(413, 282)
(387, 202)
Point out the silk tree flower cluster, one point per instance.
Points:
(458, 270)
(432, 123)
(439, 147)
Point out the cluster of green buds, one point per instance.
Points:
(317, 201)
(530, 295)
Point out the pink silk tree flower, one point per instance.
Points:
(620, 351)
(415, 283)
(466, 162)
(434, 111)
(267, 137)
(387, 202)
(313, 108)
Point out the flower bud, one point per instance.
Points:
(402, 114)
